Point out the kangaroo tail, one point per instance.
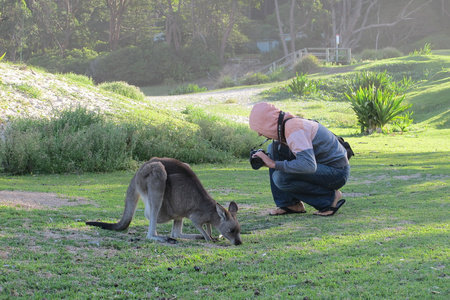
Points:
(131, 201)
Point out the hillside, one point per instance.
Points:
(32, 92)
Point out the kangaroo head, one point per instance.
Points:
(229, 226)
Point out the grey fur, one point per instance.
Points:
(172, 191)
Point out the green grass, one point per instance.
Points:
(390, 240)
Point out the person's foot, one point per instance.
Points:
(299, 208)
(337, 197)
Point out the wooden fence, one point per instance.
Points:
(330, 55)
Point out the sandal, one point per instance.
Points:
(333, 209)
(288, 211)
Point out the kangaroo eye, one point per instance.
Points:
(232, 230)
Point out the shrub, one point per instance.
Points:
(301, 85)
(366, 79)
(404, 121)
(124, 89)
(79, 140)
(372, 54)
(222, 134)
(426, 50)
(226, 81)
(187, 89)
(277, 74)
(376, 99)
(137, 66)
(308, 64)
(391, 52)
(369, 54)
(254, 79)
(374, 107)
(72, 141)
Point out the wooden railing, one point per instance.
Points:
(337, 55)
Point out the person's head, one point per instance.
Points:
(264, 119)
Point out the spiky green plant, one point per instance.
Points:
(375, 108)
(301, 85)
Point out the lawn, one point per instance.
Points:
(389, 241)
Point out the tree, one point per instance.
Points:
(352, 18)
(117, 9)
(298, 10)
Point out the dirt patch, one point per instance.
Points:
(33, 200)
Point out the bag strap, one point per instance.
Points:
(281, 135)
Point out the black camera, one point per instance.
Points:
(256, 162)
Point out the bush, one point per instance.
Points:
(72, 141)
(124, 89)
(372, 54)
(187, 89)
(301, 85)
(79, 140)
(391, 52)
(308, 64)
(134, 65)
(376, 99)
(426, 50)
(75, 61)
(222, 134)
(226, 81)
(379, 80)
(254, 79)
(374, 107)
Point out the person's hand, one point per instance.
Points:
(268, 162)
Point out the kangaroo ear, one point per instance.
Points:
(221, 211)
(233, 208)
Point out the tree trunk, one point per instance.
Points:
(116, 10)
(292, 26)
(280, 29)
(226, 34)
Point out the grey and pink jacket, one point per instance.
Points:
(309, 141)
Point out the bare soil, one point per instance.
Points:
(34, 200)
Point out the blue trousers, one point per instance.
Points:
(315, 189)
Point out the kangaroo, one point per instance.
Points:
(172, 191)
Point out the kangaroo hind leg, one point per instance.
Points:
(152, 184)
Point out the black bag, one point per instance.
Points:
(281, 137)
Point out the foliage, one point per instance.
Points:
(124, 89)
(79, 140)
(372, 54)
(404, 121)
(426, 50)
(226, 81)
(224, 135)
(277, 75)
(379, 80)
(188, 89)
(1, 57)
(254, 79)
(375, 107)
(301, 85)
(72, 141)
(308, 64)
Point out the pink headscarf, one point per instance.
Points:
(264, 119)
